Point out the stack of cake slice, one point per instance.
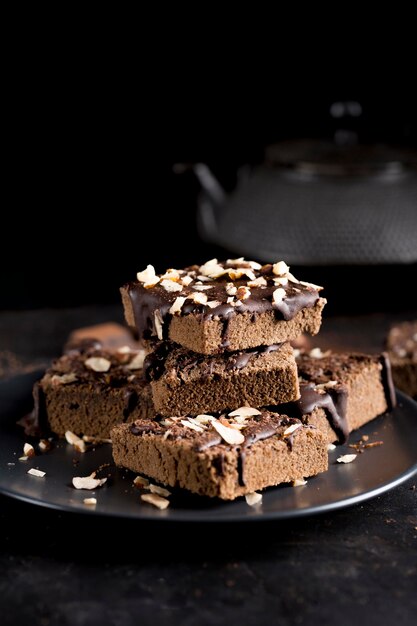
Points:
(219, 337)
(216, 400)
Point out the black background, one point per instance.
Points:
(91, 194)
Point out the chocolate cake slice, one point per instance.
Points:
(188, 383)
(402, 350)
(227, 457)
(90, 391)
(341, 392)
(228, 306)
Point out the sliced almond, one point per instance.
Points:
(258, 282)
(90, 501)
(75, 441)
(177, 306)
(280, 281)
(238, 261)
(299, 482)
(44, 445)
(231, 289)
(88, 482)
(347, 458)
(243, 293)
(253, 498)
(170, 285)
(155, 500)
(316, 353)
(141, 481)
(28, 450)
(245, 411)
(255, 265)
(202, 287)
(98, 364)
(230, 435)
(198, 298)
(193, 426)
(291, 429)
(330, 447)
(196, 422)
(328, 385)
(311, 285)
(212, 269)
(280, 268)
(278, 295)
(186, 280)
(171, 274)
(213, 304)
(160, 491)
(23, 458)
(63, 379)
(204, 419)
(158, 321)
(237, 273)
(148, 277)
(36, 472)
(137, 362)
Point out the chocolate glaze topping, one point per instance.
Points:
(154, 365)
(259, 427)
(146, 301)
(333, 401)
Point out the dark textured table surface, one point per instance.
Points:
(355, 565)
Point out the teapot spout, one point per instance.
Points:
(209, 183)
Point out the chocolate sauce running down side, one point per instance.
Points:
(333, 402)
(387, 382)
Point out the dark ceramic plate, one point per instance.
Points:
(373, 472)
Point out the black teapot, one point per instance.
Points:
(316, 202)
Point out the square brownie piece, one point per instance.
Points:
(89, 392)
(223, 457)
(188, 383)
(228, 306)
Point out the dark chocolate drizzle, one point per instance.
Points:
(154, 364)
(387, 382)
(145, 302)
(334, 403)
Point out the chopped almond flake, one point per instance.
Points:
(177, 306)
(230, 435)
(90, 501)
(36, 472)
(98, 364)
(291, 429)
(258, 282)
(189, 424)
(88, 482)
(280, 268)
(75, 441)
(279, 295)
(64, 379)
(28, 450)
(148, 277)
(160, 491)
(158, 321)
(155, 500)
(137, 362)
(141, 481)
(245, 411)
(253, 498)
(347, 458)
(299, 482)
(170, 285)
